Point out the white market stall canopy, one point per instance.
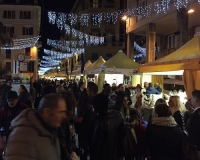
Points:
(120, 64)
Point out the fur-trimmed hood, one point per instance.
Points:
(164, 121)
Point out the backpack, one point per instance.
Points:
(126, 141)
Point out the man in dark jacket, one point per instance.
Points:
(7, 87)
(10, 111)
(194, 120)
(159, 89)
(106, 132)
(87, 118)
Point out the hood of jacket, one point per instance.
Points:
(164, 121)
(28, 118)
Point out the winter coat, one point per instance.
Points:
(180, 120)
(31, 140)
(7, 114)
(4, 91)
(193, 127)
(106, 136)
(164, 139)
(151, 90)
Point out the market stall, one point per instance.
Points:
(184, 61)
(118, 66)
(60, 76)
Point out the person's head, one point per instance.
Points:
(70, 102)
(195, 100)
(57, 82)
(120, 87)
(107, 91)
(156, 85)
(9, 82)
(146, 85)
(52, 109)
(175, 104)
(139, 87)
(12, 98)
(150, 85)
(92, 90)
(162, 110)
(22, 88)
(135, 117)
(160, 101)
(81, 85)
(121, 101)
(59, 89)
(100, 103)
(49, 89)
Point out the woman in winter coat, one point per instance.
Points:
(164, 136)
(178, 111)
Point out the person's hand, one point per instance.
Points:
(74, 156)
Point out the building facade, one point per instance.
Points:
(114, 34)
(162, 31)
(22, 20)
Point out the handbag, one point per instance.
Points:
(126, 142)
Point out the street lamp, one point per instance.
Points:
(125, 17)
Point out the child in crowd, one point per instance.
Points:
(140, 131)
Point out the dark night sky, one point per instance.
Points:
(48, 30)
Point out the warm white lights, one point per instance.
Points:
(124, 18)
(190, 10)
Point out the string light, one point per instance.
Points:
(97, 19)
(22, 43)
(162, 6)
(180, 3)
(72, 18)
(84, 19)
(112, 17)
(63, 45)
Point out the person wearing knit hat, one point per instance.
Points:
(10, 110)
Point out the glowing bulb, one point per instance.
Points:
(190, 10)
(124, 17)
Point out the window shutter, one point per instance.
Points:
(31, 31)
(24, 30)
(113, 38)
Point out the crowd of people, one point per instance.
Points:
(65, 120)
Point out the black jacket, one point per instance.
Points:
(165, 142)
(106, 137)
(180, 120)
(193, 127)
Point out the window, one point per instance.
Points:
(171, 41)
(28, 51)
(94, 3)
(8, 66)
(108, 56)
(8, 53)
(109, 37)
(25, 14)
(95, 56)
(10, 29)
(9, 14)
(27, 30)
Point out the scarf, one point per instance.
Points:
(164, 121)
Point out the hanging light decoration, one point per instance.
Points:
(21, 43)
(180, 3)
(162, 6)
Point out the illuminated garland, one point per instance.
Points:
(69, 54)
(22, 43)
(161, 6)
(65, 45)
